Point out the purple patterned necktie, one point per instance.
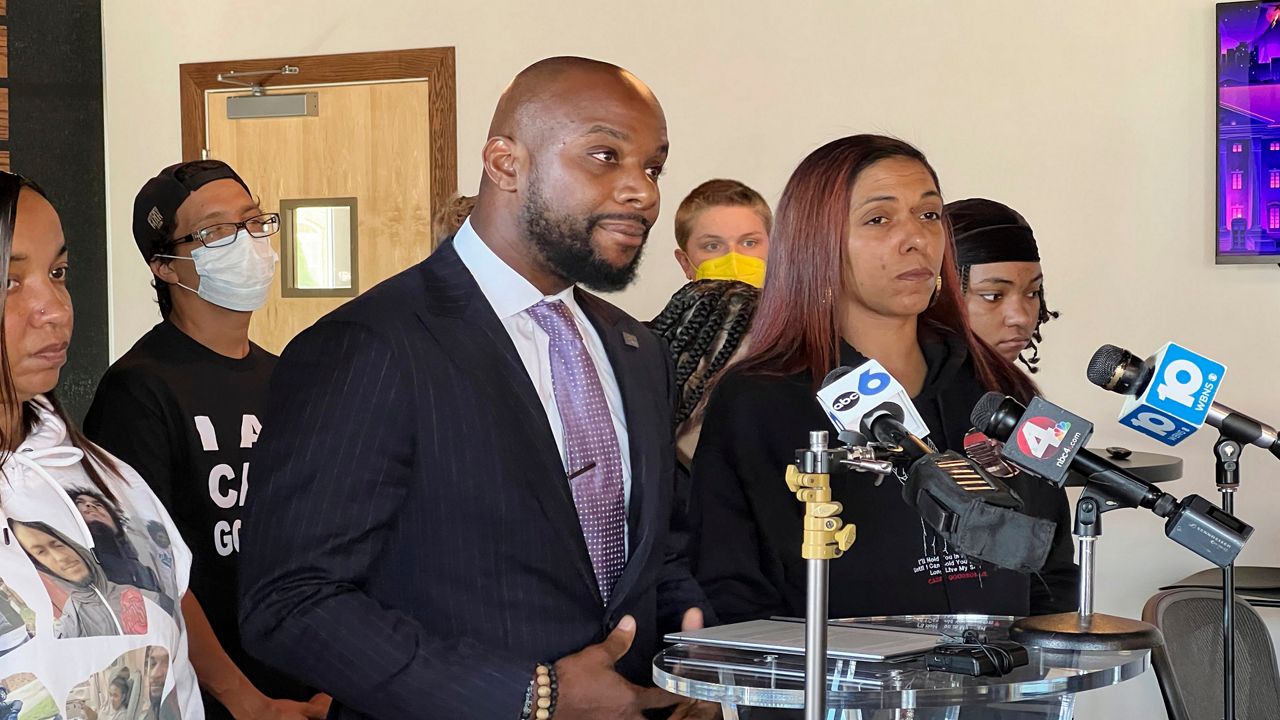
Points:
(588, 438)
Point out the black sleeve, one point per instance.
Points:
(1055, 589)
(677, 590)
(729, 563)
(339, 449)
(127, 419)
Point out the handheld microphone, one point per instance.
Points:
(1042, 438)
(1170, 395)
(970, 509)
(1212, 534)
(884, 423)
(850, 394)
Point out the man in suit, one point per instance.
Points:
(468, 472)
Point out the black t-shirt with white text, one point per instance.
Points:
(186, 418)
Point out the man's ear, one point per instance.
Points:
(505, 160)
(161, 268)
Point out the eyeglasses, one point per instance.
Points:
(223, 234)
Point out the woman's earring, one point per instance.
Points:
(937, 290)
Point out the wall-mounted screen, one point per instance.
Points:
(1248, 83)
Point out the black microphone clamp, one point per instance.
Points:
(1244, 429)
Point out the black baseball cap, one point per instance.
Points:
(157, 203)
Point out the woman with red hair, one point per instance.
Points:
(861, 266)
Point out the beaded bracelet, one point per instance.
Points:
(540, 698)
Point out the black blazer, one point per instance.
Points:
(410, 545)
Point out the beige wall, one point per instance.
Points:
(1092, 117)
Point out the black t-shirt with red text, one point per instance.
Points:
(186, 418)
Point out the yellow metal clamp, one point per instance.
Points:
(825, 535)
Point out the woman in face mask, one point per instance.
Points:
(722, 230)
(183, 406)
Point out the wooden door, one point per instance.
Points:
(383, 141)
(369, 142)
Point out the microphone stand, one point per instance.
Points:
(1226, 454)
(1085, 629)
(825, 537)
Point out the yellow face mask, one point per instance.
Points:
(733, 266)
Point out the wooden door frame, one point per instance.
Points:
(436, 65)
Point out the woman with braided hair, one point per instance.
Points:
(1000, 277)
(705, 325)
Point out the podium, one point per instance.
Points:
(742, 680)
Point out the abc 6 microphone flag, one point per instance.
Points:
(1046, 439)
(855, 394)
(1177, 399)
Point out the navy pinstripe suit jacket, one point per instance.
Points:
(410, 545)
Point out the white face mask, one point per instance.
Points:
(236, 276)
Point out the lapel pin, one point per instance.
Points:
(630, 339)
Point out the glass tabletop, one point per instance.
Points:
(772, 680)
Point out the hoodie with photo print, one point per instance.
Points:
(90, 618)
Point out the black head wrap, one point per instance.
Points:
(986, 231)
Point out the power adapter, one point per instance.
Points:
(995, 658)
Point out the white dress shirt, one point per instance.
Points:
(511, 295)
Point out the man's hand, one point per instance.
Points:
(590, 689)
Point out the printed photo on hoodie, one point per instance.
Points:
(135, 686)
(17, 620)
(100, 569)
(94, 566)
(24, 697)
(85, 602)
(140, 557)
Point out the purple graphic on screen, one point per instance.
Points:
(1248, 212)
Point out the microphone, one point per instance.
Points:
(1170, 395)
(884, 423)
(972, 510)
(1192, 522)
(1046, 438)
(848, 395)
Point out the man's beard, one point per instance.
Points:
(565, 244)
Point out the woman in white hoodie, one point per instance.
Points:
(84, 622)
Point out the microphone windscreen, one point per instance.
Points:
(836, 374)
(1105, 362)
(985, 409)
